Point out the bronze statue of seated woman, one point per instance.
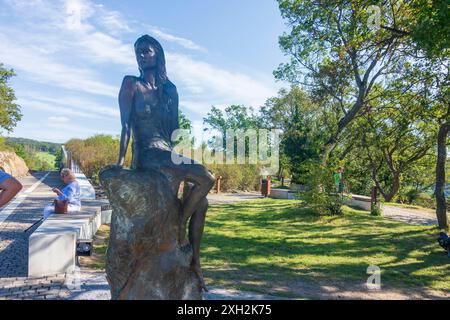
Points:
(149, 115)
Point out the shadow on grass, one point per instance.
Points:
(275, 240)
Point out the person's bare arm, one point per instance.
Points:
(126, 94)
(10, 188)
(57, 191)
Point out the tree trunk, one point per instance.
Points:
(342, 124)
(394, 189)
(441, 210)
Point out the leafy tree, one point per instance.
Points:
(43, 146)
(296, 115)
(430, 28)
(9, 110)
(336, 54)
(395, 136)
(235, 117)
(58, 158)
(428, 82)
(185, 123)
(94, 153)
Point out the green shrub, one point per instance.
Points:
(244, 177)
(425, 200)
(416, 197)
(320, 194)
(94, 153)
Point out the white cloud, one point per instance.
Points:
(77, 11)
(219, 86)
(61, 119)
(74, 103)
(79, 45)
(113, 21)
(186, 43)
(55, 109)
(40, 68)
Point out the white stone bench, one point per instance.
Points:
(358, 201)
(52, 246)
(283, 194)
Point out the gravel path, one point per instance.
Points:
(229, 197)
(410, 216)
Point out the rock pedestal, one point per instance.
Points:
(144, 259)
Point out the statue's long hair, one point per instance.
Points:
(161, 74)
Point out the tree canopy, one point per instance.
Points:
(9, 110)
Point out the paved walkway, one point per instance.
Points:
(90, 285)
(229, 197)
(24, 210)
(410, 216)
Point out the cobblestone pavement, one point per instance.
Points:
(43, 288)
(81, 285)
(90, 285)
(13, 239)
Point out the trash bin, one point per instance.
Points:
(264, 187)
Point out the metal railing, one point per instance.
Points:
(68, 161)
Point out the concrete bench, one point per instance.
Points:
(358, 201)
(283, 194)
(52, 246)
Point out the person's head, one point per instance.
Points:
(67, 175)
(150, 55)
(339, 170)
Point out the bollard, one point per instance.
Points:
(218, 184)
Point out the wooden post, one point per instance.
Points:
(268, 185)
(218, 184)
(374, 200)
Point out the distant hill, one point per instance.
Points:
(38, 146)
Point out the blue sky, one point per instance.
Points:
(70, 57)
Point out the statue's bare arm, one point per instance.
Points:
(126, 95)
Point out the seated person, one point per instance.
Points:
(9, 188)
(71, 192)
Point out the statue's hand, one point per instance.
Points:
(111, 167)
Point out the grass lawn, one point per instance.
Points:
(279, 241)
(47, 157)
(255, 245)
